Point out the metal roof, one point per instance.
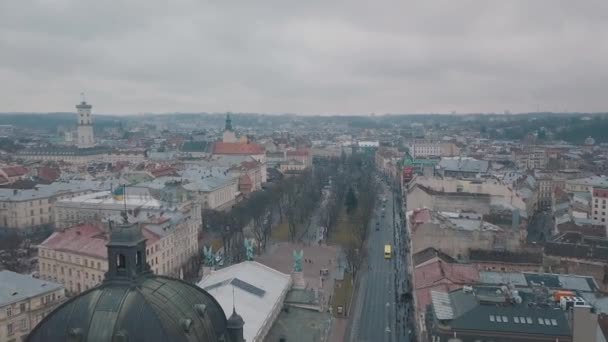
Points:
(152, 309)
(442, 305)
(15, 287)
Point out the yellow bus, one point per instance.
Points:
(387, 252)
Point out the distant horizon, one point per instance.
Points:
(310, 115)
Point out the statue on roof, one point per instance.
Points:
(297, 260)
(209, 256)
(248, 249)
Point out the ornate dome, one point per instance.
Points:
(132, 304)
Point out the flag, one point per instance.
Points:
(119, 193)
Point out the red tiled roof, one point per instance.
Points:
(237, 148)
(439, 275)
(419, 217)
(83, 239)
(163, 171)
(48, 174)
(86, 239)
(15, 171)
(249, 164)
(299, 153)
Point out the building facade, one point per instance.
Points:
(27, 209)
(77, 256)
(24, 302)
(598, 202)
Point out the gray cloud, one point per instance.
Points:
(308, 57)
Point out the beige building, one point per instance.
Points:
(77, 256)
(585, 184)
(85, 156)
(456, 235)
(24, 302)
(100, 205)
(217, 192)
(425, 149)
(26, 209)
(532, 157)
(444, 193)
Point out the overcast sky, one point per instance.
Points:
(308, 57)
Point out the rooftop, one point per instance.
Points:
(464, 165)
(489, 309)
(105, 199)
(15, 287)
(548, 280)
(85, 239)
(253, 288)
(48, 190)
(237, 148)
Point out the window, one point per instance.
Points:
(53, 297)
(23, 325)
(9, 329)
(86, 275)
(98, 265)
(491, 318)
(85, 263)
(529, 320)
(9, 311)
(22, 307)
(121, 262)
(32, 212)
(541, 321)
(516, 319)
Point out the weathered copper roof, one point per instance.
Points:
(151, 309)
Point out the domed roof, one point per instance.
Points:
(132, 304)
(151, 309)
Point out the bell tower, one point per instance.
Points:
(228, 136)
(85, 125)
(126, 251)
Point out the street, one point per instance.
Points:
(378, 315)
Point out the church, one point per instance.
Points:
(132, 304)
(232, 146)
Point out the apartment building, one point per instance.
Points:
(77, 256)
(216, 192)
(31, 208)
(532, 157)
(25, 301)
(97, 206)
(599, 196)
(425, 149)
(302, 155)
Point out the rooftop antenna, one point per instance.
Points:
(124, 195)
(82, 98)
(233, 309)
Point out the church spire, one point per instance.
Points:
(228, 123)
